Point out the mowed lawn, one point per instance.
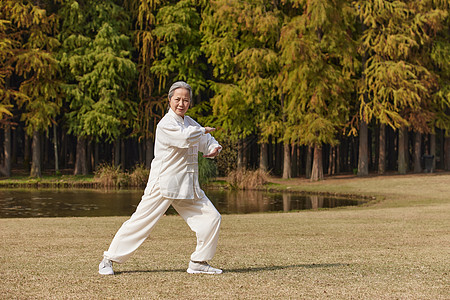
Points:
(397, 247)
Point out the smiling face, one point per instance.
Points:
(180, 101)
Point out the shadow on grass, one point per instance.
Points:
(244, 270)
(275, 268)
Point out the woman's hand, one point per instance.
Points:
(214, 153)
(209, 129)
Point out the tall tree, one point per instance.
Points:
(317, 53)
(96, 57)
(439, 51)
(180, 57)
(9, 46)
(152, 104)
(240, 41)
(396, 86)
(38, 93)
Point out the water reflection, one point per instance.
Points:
(242, 202)
(79, 203)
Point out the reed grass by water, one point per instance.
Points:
(247, 179)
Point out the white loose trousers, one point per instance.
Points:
(199, 213)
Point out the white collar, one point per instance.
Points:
(177, 117)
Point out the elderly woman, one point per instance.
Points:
(173, 181)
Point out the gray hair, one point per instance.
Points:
(177, 85)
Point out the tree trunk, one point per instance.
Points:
(391, 143)
(6, 168)
(26, 153)
(71, 155)
(279, 157)
(330, 161)
(354, 155)
(116, 153)
(149, 152)
(382, 150)
(447, 154)
(402, 148)
(141, 151)
(263, 157)
(338, 159)
(317, 169)
(63, 150)
(442, 150)
(240, 155)
(417, 152)
(433, 149)
(308, 163)
(36, 155)
(89, 156)
(122, 154)
(96, 161)
(294, 163)
(14, 149)
(81, 157)
(286, 161)
(363, 152)
(45, 149)
(55, 147)
(343, 161)
(245, 147)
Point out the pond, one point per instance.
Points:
(26, 203)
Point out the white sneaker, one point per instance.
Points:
(202, 268)
(105, 267)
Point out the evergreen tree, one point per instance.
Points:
(240, 41)
(28, 47)
(9, 46)
(438, 47)
(397, 86)
(180, 57)
(96, 56)
(317, 52)
(152, 105)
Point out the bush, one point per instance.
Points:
(207, 169)
(227, 159)
(139, 176)
(110, 176)
(246, 179)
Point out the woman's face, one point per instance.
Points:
(180, 101)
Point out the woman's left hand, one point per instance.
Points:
(214, 153)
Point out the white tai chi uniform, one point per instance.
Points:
(173, 181)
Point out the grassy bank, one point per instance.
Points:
(105, 176)
(49, 181)
(389, 190)
(396, 248)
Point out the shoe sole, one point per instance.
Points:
(106, 273)
(190, 271)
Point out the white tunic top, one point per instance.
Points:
(175, 166)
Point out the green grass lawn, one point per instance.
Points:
(395, 248)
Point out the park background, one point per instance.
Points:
(297, 88)
(344, 86)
